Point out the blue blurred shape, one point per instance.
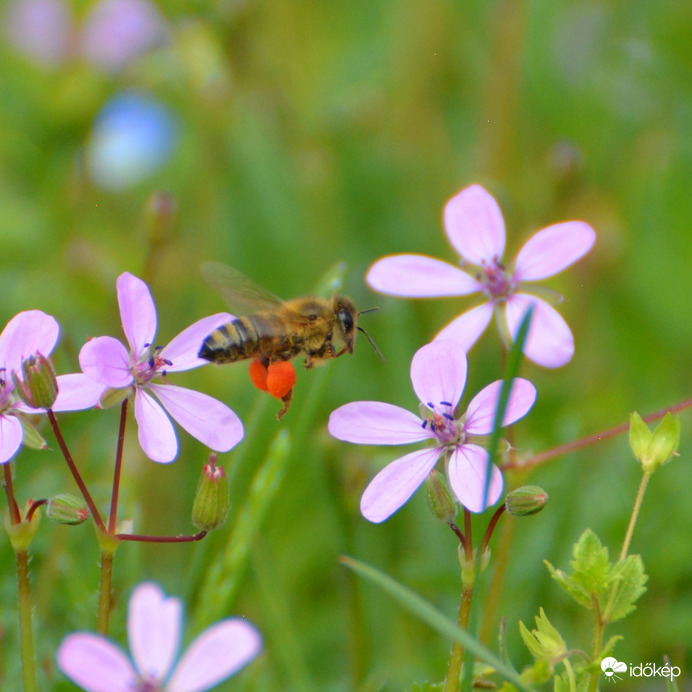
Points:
(133, 137)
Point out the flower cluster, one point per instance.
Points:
(112, 372)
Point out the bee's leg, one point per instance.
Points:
(324, 352)
(286, 398)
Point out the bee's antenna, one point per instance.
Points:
(363, 312)
(369, 338)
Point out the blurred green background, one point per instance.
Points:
(303, 134)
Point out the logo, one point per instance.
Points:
(611, 667)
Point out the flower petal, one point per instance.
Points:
(95, 664)
(552, 249)
(183, 349)
(438, 372)
(468, 327)
(106, 360)
(474, 225)
(155, 431)
(77, 392)
(137, 312)
(27, 333)
(395, 484)
(11, 436)
(549, 342)
(205, 418)
(480, 415)
(419, 276)
(467, 471)
(376, 423)
(153, 630)
(215, 655)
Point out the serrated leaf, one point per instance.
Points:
(591, 564)
(567, 584)
(629, 583)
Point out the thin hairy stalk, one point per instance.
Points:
(575, 445)
(491, 527)
(635, 514)
(15, 516)
(113, 516)
(143, 538)
(73, 470)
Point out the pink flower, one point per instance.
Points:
(476, 230)
(143, 368)
(153, 630)
(438, 374)
(26, 334)
(114, 34)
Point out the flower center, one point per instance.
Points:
(148, 368)
(496, 280)
(442, 422)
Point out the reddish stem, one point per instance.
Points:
(112, 517)
(160, 539)
(73, 469)
(575, 445)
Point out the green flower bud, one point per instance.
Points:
(654, 449)
(439, 497)
(212, 500)
(67, 509)
(525, 501)
(38, 386)
(545, 642)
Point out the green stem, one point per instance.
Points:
(635, 514)
(25, 630)
(105, 588)
(570, 675)
(599, 629)
(457, 656)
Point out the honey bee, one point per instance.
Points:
(274, 331)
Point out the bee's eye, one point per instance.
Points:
(312, 318)
(346, 320)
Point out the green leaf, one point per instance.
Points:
(629, 584)
(433, 617)
(591, 564)
(591, 571)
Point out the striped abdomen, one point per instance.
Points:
(262, 333)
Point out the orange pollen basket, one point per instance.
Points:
(278, 379)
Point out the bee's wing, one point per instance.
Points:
(241, 293)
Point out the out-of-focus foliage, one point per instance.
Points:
(291, 136)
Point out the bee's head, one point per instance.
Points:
(346, 320)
